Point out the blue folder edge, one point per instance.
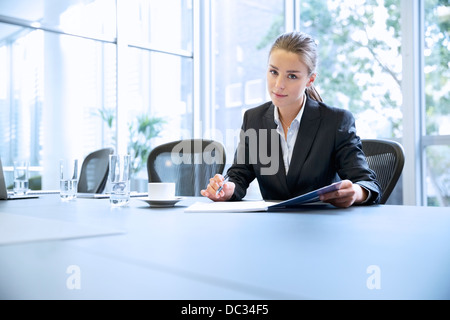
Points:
(307, 198)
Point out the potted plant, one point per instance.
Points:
(141, 131)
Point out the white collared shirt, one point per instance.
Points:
(288, 143)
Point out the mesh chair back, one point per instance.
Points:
(189, 163)
(386, 158)
(94, 171)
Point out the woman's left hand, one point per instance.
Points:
(348, 194)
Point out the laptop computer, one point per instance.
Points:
(4, 195)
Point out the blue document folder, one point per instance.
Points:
(306, 198)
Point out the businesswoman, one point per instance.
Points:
(315, 144)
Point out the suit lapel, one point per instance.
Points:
(305, 138)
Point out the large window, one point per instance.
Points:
(48, 103)
(53, 82)
(437, 102)
(59, 83)
(160, 102)
(159, 71)
(166, 25)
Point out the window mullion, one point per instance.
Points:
(412, 91)
(121, 76)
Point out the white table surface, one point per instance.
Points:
(165, 253)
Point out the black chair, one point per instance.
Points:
(94, 171)
(189, 163)
(386, 158)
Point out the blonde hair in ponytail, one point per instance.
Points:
(305, 47)
(313, 94)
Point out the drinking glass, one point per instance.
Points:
(68, 182)
(119, 175)
(21, 177)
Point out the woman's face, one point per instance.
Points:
(287, 79)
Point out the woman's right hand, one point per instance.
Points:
(214, 184)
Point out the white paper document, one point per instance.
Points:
(133, 194)
(16, 228)
(229, 206)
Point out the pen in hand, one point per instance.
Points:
(221, 187)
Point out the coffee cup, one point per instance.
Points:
(161, 190)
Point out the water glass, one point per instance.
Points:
(68, 182)
(119, 176)
(21, 177)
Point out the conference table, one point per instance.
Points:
(86, 249)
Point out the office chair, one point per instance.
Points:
(94, 171)
(386, 158)
(189, 163)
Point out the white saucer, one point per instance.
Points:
(162, 203)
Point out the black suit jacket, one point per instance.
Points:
(327, 149)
